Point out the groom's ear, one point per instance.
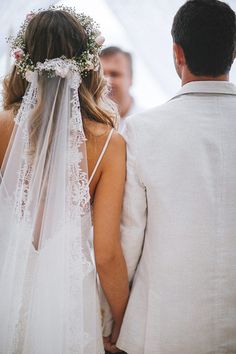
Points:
(179, 56)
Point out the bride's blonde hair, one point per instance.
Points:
(52, 34)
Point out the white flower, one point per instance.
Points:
(30, 16)
(29, 75)
(100, 40)
(89, 66)
(62, 72)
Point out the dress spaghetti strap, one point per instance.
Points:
(101, 155)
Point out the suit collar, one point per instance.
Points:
(211, 87)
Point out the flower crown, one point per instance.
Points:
(88, 60)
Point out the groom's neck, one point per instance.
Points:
(187, 76)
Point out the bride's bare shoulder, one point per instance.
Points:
(98, 132)
(6, 121)
(95, 129)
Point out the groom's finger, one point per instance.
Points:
(107, 346)
(106, 339)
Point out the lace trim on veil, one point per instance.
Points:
(77, 203)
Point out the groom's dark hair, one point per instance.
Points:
(206, 31)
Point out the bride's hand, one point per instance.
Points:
(114, 336)
(115, 333)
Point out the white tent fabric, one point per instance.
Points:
(148, 25)
(142, 27)
(12, 14)
(111, 28)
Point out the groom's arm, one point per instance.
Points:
(134, 215)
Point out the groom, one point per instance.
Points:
(179, 221)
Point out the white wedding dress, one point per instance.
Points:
(48, 292)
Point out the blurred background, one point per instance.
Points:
(140, 27)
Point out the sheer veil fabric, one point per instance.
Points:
(48, 297)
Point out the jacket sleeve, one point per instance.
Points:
(134, 214)
(133, 220)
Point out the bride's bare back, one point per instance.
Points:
(97, 134)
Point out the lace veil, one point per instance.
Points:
(47, 276)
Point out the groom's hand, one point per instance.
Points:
(107, 343)
(109, 347)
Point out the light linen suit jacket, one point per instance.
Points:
(179, 224)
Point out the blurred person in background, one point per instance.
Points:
(118, 68)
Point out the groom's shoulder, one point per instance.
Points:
(151, 116)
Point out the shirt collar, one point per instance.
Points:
(211, 87)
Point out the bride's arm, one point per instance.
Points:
(109, 257)
(6, 128)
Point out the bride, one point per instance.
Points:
(60, 158)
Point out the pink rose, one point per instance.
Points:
(100, 40)
(18, 53)
(29, 16)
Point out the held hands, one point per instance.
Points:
(109, 342)
(109, 347)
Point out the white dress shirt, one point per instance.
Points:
(134, 109)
